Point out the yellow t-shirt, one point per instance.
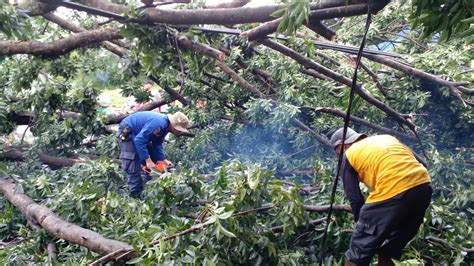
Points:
(385, 166)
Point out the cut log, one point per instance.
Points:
(56, 226)
(61, 46)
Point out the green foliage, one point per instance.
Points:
(13, 24)
(231, 165)
(293, 16)
(452, 18)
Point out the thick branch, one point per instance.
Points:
(455, 87)
(57, 226)
(242, 82)
(324, 10)
(176, 95)
(262, 30)
(113, 47)
(314, 74)
(115, 119)
(14, 154)
(222, 16)
(307, 62)
(200, 48)
(374, 77)
(231, 4)
(261, 75)
(58, 47)
(318, 27)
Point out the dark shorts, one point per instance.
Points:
(386, 227)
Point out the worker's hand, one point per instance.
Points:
(149, 163)
(146, 169)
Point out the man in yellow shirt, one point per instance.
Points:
(400, 193)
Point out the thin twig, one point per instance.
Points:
(183, 75)
(107, 257)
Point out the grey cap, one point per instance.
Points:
(351, 137)
(180, 121)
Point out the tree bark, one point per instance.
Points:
(318, 27)
(323, 10)
(221, 16)
(200, 48)
(231, 4)
(61, 46)
(57, 226)
(109, 45)
(14, 154)
(455, 87)
(314, 74)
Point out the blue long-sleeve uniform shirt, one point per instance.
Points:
(148, 127)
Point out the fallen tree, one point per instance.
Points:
(56, 226)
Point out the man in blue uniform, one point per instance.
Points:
(141, 136)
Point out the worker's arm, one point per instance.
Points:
(351, 187)
(143, 138)
(141, 143)
(158, 153)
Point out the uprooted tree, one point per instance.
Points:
(253, 181)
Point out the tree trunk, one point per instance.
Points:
(61, 46)
(57, 226)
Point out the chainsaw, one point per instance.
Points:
(160, 166)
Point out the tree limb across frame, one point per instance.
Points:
(55, 225)
(308, 63)
(65, 24)
(211, 52)
(324, 10)
(61, 46)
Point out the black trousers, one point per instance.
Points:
(386, 227)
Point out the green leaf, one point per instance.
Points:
(279, 13)
(226, 232)
(135, 260)
(225, 215)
